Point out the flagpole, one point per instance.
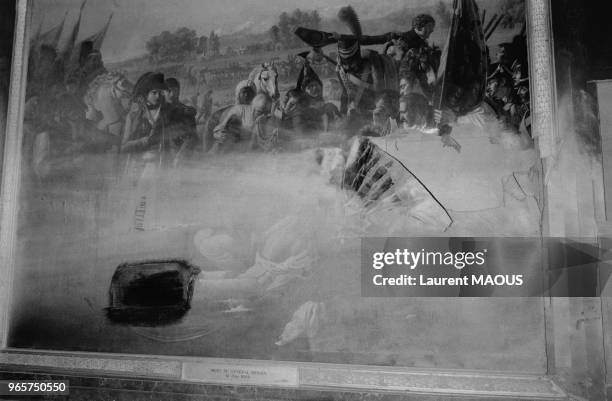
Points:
(452, 28)
(69, 50)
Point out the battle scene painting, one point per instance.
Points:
(196, 178)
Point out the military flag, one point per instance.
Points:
(97, 39)
(52, 37)
(463, 67)
(70, 43)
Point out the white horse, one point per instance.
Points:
(107, 99)
(263, 79)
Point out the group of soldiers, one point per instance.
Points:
(256, 121)
(368, 82)
(379, 90)
(383, 90)
(508, 86)
(398, 86)
(157, 125)
(55, 113)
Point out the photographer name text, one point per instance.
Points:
(412, 260)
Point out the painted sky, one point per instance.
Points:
(134, 21)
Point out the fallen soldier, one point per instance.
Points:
(286, 254)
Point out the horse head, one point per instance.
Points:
(267, 80)
(107, 99)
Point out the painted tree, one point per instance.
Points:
(172, 45)
(274, 33)
(288, 22)
(214, 44)
(284, 27)
(202, 47)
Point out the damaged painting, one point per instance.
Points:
(196, 179)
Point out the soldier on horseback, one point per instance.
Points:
(374, 84)
(418, 65)
(90, 65)
(369, 80)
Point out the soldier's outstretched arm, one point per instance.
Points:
(319, 39)
(377, 39)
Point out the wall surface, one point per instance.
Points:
(576, 188)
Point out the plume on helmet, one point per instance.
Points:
(348, 16)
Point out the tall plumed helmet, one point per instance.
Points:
(348, 46)
(348, 16)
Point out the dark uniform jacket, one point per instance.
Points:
(180, 122)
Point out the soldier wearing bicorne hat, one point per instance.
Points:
(144, 130)
(146, 142)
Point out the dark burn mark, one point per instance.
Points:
(152, 293)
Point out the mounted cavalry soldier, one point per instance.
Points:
(375, 84)
(89, 66)
(370, 80)
(454, 89)
(418, 67)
